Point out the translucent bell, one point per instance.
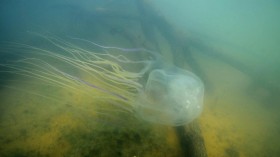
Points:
(171, 96)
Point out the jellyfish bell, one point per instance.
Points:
(172, 96)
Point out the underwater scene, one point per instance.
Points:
(139, 78)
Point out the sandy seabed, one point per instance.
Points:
(42, 120)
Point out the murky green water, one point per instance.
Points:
(232, 46)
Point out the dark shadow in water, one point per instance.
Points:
(231, 152)
(191, 140)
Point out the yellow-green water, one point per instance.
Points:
(241, 107)
(42, 120)
(237, 120)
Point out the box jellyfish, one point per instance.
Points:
(136, 80)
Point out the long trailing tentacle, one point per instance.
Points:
(103, 71)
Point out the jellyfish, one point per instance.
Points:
(136, 80)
